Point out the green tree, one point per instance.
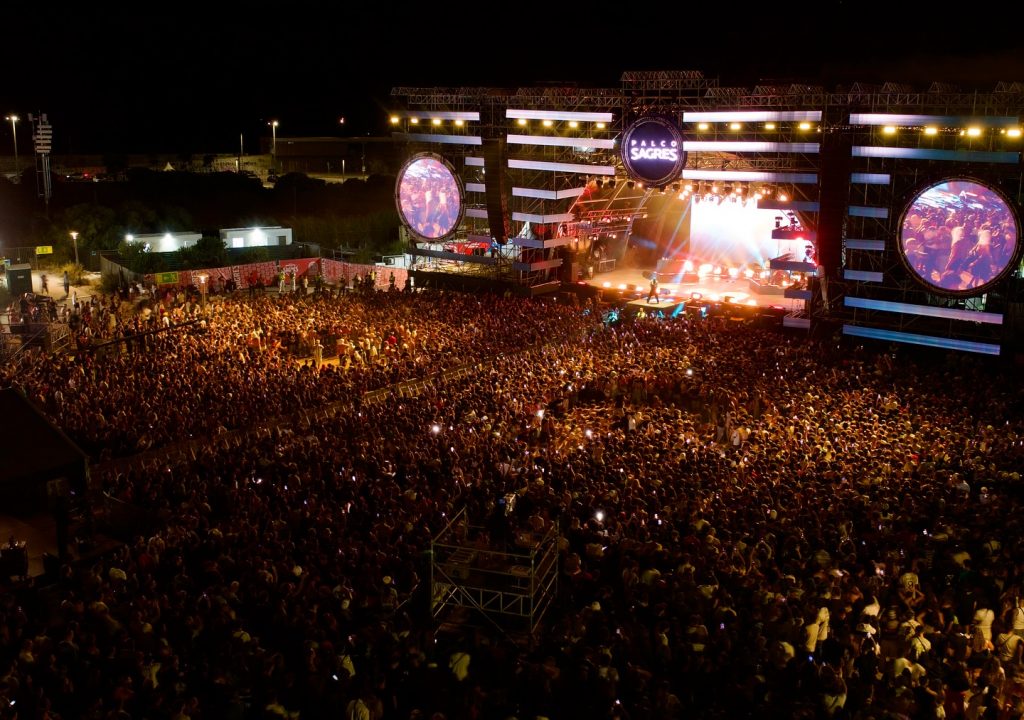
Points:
(208, 252)
(96, 226)
(136, 258)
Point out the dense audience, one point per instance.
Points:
(750, 524)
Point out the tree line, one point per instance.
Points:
(358, 215)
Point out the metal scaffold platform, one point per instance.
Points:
(506, 576)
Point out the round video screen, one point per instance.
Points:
(429, 197)
(959, 236)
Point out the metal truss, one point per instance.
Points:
(612, 210)
(510, 582)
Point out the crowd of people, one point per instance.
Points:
(750, 524)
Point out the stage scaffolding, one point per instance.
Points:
(557, 189)
(508, 581)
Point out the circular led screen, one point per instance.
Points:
(429, 196)
(959, 236)
(652, 151)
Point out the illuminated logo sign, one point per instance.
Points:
(652, 151)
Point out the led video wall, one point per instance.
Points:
(958, 236)
(429, 196)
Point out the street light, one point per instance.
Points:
(273, 146)
(12, 119)
(74, 239)
(202, 278)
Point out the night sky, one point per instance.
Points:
(190, 77)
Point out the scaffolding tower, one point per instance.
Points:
(508, 579)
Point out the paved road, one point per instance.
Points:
(55, 285)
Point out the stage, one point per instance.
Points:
(634, 284)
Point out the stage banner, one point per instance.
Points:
(310, 267)
(336, 272)
(216, 277)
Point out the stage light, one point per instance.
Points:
(752, 302)
(639, 184)
(414, 121)
(460, 122)
(1013, 132)
(757, 195)
(702, 126)
(718, 270)
(547, 123)
(601, 126)
(714, 297)
(682, 196)
(705, 269)
(714, 189)
(622, 286)
(931, 130)
(783, 197)
(436, 121)
(735, 126)
(973, 131)
(805, 126)
(696, 295)
(689, 187)
(769, 126)
(395, 119)
(748, 273)
(573, 124)
(688, 266)
(889, 130)
(734, 273)
(521, 122)
(606, 284)
(737, 191)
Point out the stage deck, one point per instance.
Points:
(672, 290)
(668, 307)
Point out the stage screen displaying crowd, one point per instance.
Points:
(958, 236)
(429, 197)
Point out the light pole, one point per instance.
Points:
(13, 119)
(202, 278)
(74, 239)
(273, 145)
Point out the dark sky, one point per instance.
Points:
(192, 77)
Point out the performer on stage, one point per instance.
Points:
(652, 296)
